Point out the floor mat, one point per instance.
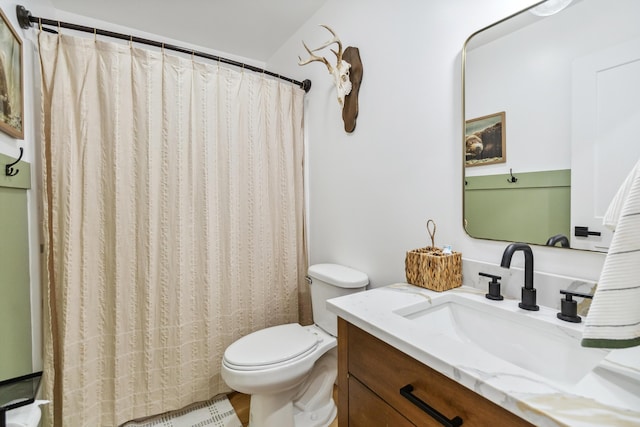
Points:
(217, 412)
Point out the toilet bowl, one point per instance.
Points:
(289, 370)
(275, 377)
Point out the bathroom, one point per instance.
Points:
(370, 192)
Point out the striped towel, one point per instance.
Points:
(614, 316)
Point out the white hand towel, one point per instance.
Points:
(614, 316)
(612, 216)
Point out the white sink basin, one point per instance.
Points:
(547, 348)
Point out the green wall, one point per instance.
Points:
(15, 305)
(531, 210)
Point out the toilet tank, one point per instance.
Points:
(330, 281)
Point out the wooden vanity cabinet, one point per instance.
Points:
(371, 374)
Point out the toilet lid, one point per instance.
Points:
(271, 345)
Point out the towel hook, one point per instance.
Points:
(8, 169)
(513, 178)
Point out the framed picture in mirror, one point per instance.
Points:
(11, 95)
(485, 141)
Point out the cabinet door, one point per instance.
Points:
(385, 370)
(604, 150)
(368, 410)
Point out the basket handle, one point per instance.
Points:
(432, 233)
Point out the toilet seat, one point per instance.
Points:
(271, 347)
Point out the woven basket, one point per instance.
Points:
(430, 268)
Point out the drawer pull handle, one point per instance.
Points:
(406, 393)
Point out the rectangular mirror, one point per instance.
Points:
(565, 88)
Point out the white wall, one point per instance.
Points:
(533, 85)
(371, 192)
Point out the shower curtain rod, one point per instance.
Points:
(25, 19)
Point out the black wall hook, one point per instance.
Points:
(8, 169)
(513, 178)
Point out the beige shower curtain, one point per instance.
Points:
(173, 224)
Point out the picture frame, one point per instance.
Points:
(485, 140)
(11, 85)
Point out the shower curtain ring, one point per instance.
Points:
(40, 23)
(95, 35)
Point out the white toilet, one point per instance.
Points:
(289, 370)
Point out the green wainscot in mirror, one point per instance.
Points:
(15, 294)
(527, 207)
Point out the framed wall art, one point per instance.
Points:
(11, 90)
(485, 141)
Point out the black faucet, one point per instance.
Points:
(558, 238)
(528, 291)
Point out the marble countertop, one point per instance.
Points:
(593, 400)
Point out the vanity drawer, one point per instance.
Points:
(367, 410)
(385, 370)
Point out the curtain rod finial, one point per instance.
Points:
(24, 17)
(306, 85)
